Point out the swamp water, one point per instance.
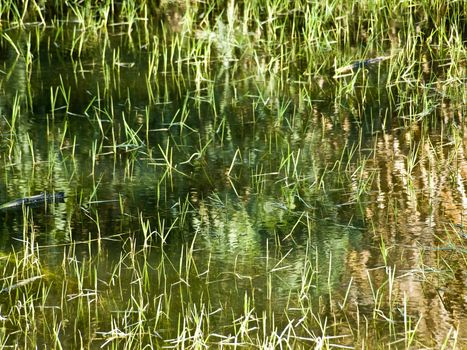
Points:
(225, 206)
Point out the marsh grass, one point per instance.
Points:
(261, 175)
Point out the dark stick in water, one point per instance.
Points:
(37, 199)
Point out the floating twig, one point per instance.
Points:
(360, 64)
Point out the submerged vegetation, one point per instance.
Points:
(237, 174)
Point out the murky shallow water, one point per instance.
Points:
(254, 200)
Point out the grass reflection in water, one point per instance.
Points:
(286, 175)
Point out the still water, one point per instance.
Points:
(232, 198)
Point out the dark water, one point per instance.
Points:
(277, 196)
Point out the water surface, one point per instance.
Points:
(234, 197)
